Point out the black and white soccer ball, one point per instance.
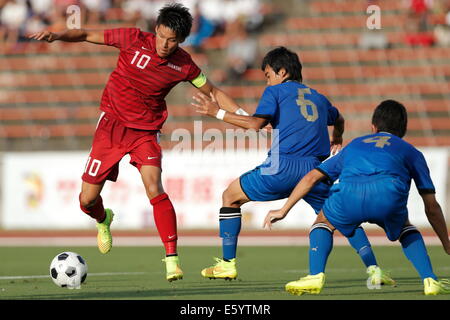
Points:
(68, 270)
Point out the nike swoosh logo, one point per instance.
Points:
(150, 158)
(145, 48)
(172, 236)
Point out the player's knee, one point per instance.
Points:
(229, 200)
(321, 219)
(322, 225)
(153, 190)
(87, 200)
(408, 229)
(226, 198)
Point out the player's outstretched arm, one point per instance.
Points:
(436, 218)
(209, 106)
(70, 35)
(336, 137)
(224, 100)
(300, 190)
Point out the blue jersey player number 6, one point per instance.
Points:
(304, 103)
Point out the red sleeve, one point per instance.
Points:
(121, 37)
(193, 72)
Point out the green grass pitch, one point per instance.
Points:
(137, 273)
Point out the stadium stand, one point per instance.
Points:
(49, 94)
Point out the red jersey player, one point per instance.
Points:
(133, 112)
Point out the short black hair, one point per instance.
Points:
(283, 58)
(391, 116)
(176, 17)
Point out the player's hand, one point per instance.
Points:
(273, 216)
(335, 145)
(206, 105)
(44, 36)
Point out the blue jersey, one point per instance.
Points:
(300, 116)
(380, 154)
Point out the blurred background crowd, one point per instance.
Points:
(235, 19)
(21, 17)
(427, 23)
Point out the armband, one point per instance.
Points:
(199, 81)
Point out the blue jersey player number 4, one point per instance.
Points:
(375, 173)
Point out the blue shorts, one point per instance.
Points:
(260, 184)
(379, 199)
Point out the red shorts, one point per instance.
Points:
(112, 141)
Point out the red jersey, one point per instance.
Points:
(136, 89)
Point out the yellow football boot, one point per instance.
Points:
(379, 277)
(221, 270)
(312, 284)
(104, 237)
(173, 270)
(434, 287)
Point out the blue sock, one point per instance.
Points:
(361, 244)
(416, 252)
(320, 245)
(230, 226)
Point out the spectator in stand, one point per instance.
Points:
(213, 11)
(242, 51)
(96, 10)
(419, 11)
(42, 9)
(223, 12)
(248, 10)
(38, 17)
(202, 28)
(142, 13)
(12, 18)
(418, 26)
(442, 30)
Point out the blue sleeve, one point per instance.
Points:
(333, 114)
(420, 173)
(268, 105)
(332, 167)
(332, 111)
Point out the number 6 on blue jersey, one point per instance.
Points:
(304, 103)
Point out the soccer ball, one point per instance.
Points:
(68, 270)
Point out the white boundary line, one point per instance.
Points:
(299, 271)
(89, 274)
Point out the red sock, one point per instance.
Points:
(97, 211)
(166, 222)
